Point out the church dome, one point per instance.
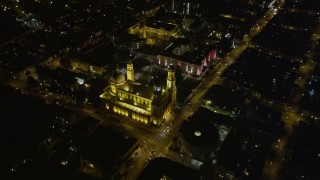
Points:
(118, 77)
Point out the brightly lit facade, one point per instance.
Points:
(86, 67)
(154, 31)
(146, 104)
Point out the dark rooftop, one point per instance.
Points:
(160, 167)
(224, 97)
(161, 25)
(201, 134)
(184, 50)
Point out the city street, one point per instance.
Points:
(153, 142)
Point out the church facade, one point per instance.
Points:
(146, 104)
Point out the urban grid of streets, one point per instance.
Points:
(155, 143)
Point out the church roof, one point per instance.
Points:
(138, 89)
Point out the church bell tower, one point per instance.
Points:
(171, 83)
(130, 71)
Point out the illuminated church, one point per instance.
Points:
(146, 104)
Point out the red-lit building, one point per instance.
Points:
(191, 58)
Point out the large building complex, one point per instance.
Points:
(151, 31)
(143, 103)
(191, 58)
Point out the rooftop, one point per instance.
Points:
(185, 50)
(160, 167)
